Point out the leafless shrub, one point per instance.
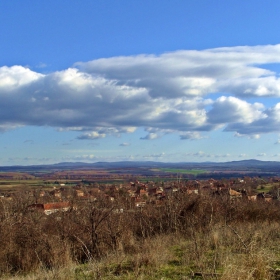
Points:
(214, 235)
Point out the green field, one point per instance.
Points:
(183, 171)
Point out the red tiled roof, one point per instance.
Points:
(56, 205)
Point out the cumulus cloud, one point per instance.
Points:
(249, 136)
(15, 77)
(191, 136)
(101, 132)
(233, 110)
(194, 73)
(150, 136)
(91, 136)
(168, 93)
(8, 126)
(268, 122)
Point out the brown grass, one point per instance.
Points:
(186, 237)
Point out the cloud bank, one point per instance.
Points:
(185, 92)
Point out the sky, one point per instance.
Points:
(169, 81)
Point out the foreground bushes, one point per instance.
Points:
(184, 235)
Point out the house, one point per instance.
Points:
(143, 193)
(192, 191)
(56, 193)
(252, 197)
(42, 193)
(79, 193)
(50, 208)
(234, 194)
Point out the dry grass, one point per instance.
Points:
(187, 238)
(222, 255)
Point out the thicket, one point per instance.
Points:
(185, 236)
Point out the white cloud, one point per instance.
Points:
(261, 155)
(101, 132)
(191, 136)
(276, 155)
(195, 72)
(233, 110)
(80, 158)
(15, 77)
(242, 155)
(269, 122)
(91, 136)
(249, 136)
(8, 126)
(150, 136)
(165, 93)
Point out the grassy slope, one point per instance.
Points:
(245, 251)
(242, 248)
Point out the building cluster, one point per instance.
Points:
(137, 194)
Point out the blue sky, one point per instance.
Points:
(139, 80)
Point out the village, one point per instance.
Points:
(59, 221)
(138, 194)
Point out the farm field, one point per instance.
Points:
(183, 171)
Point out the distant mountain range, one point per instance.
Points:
(243, 165)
